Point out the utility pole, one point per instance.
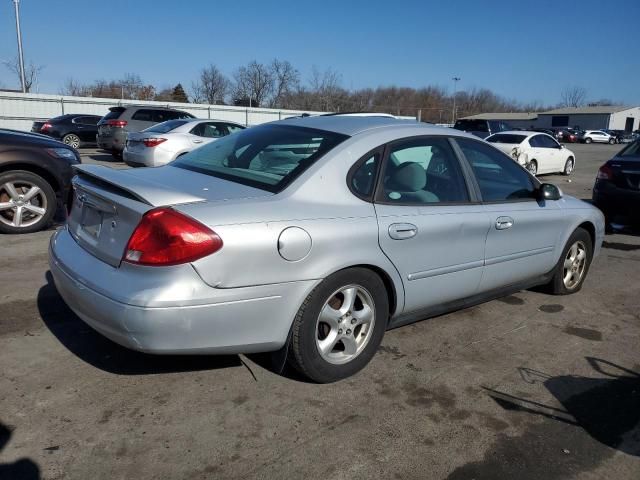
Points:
(20, 56)
(455, 91)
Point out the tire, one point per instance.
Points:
(587, 140)
(568, 166)
(558, 285)
(348, 349)
(611, 141)
(533, 167)
(72, 140)
(36, 212)
(117, 155)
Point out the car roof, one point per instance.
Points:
(526, 133)
(353, 125)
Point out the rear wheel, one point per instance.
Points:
(532, 167)
(72, 140)
(117, 155)
(27, 202)
(612, 141)
(574, 264)
(340, 325)
(568, 166)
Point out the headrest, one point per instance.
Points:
(408, 177)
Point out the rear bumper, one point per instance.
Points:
(114, 142)
(181, 314)
(150, 157)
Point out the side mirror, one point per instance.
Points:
(548, 191)
(561, 146)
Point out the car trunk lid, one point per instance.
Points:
(626, 173)
(108, 204)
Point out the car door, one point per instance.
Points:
(524, 231)
(86, 128)
(552, 152)
(430, 224)
(539, 153)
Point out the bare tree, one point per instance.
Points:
(573, 96)
(325, 86)
(286, 80)
(212, 86)
(31, 71)
(254, 82)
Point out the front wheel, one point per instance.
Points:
(568, 166)
(611, 141)
(340, 325)
(27, 202)
(587, 140)
(574, 264)
(72, 140)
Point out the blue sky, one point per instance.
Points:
(526, 50)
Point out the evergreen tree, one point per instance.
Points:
(179, 94)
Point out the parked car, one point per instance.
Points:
(312, 236)
(72, 129)
(166, 141)
(481, 128)
(620, 135)
(567, 135)
(537, 152)
(596, 136)
(617, 187)
(114, 126)
(35, 180)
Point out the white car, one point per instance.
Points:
(538, 152)
(166, 141)
(597, 136)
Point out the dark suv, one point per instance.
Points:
(481, 128)
(114, 126)
(35, 180)
(74, 129)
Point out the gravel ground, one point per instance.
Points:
(529, 386)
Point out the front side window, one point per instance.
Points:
(209, 130)
(423, 171)
(500, 179)
(268, 157)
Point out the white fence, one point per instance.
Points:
(19, 110)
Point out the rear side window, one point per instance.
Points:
(114, 113)
(144, 115)
(362, 180)
(232, 127)
(500, 179)
(268, 157)
(506, 138)
(165, 127)
(86, 120)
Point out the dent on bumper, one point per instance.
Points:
(239, 320)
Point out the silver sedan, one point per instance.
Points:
(312, 236)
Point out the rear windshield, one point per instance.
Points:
(268, 157)
(114, 113)
(472, 125)
(167, 126)
(506, 138)
(632, 150)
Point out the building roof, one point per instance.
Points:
(586, 110)
(503, 116)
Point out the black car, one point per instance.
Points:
(114, 126)
(74, 129)
(481, 128)
(35, 180)
(617, 188)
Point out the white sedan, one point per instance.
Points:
(166, 141)
(538, 152)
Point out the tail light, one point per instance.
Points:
(117, 123)
(166, 237)
(153, 142)
(605, 173)
(45, 127)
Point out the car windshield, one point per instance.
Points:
(165, 127)
(268, 157)
(509, 138)
(472, 125)
(632, 150)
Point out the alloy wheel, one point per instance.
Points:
(71, 140)
(575, 264)
(345, 324)
(22, 204)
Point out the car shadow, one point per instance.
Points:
(608, 409)
(22, 469)
(102, 353)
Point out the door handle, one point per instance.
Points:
(502, 223)
(402, 231)
(197, 141)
